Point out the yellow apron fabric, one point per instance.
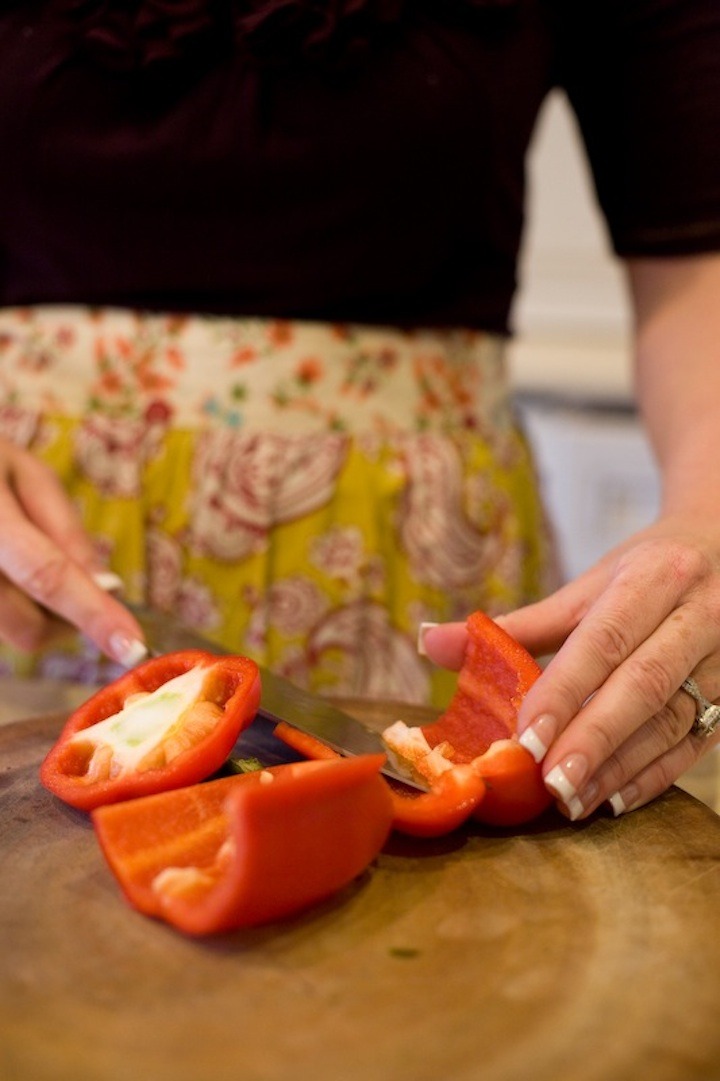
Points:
(303, 493)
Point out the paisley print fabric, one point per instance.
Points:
(303, 493)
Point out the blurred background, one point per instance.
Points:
(570, 362)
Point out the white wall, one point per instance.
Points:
(570, 361)
(572, 316)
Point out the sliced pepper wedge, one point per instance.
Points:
(514, 788)
(451, 800)
(478, 728)
(454, 796)
(470, 756)
(170, 722)
(249, 849)
(496, 674)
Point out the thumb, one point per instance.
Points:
(542, 627)
(443, 643)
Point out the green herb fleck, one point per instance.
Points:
(403, 952)
(244, 765)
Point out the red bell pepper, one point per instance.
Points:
(514, 788)
(304, 742)
(469, 757)
(170, 722)
(454, 795)
(478, 728)
(248, 849)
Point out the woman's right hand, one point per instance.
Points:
(48, 566)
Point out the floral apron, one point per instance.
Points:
(300, 492)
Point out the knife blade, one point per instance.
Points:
(280, 700)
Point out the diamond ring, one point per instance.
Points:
(707, 716)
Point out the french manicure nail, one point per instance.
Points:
(108, 581)
(422, 631)
(127, 651)
(565, 778)
(531, 741)
(560, 784)
(575, 808)
(625, 800)
(585, 801)
(538, 736)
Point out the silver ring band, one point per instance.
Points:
(707, 716)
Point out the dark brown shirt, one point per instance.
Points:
(343, 161)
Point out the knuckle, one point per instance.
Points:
(687, 565)
(603, 740)
(613, 772)
(676, 562)
(660, 775)
(677, 716)
(711, 606)
(43, 581)
(697, 579)
(657, 740)
(653, 682)
(612, 640)
(668, 727)
(651, 553)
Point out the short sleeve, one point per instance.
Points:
(643, 78)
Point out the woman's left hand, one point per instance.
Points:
(608, 714)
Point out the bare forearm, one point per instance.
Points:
(678, 375)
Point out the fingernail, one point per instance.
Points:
(127, 651)
(565, 778)
(625, 800)
(582, 803)
(538, 736)
(575, 808)
(531, 741)
(108, 581)
(422, 631)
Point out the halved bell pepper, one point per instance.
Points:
(470, 756)
(251, 848)
(478, 728)
(171, 721)
(514, 788)
(452, 799)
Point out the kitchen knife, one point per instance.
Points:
(280, 699)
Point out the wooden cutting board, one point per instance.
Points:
(560, 951)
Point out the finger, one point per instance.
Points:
(46, 504)
(50, 577)
(23, 625)
(544, 626)
(443, 643)
(540, 627)
(636, 716)
(637, 601)
(651, 742)
(661, 773)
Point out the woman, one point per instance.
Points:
(288, 421)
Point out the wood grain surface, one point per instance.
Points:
(561, 951)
